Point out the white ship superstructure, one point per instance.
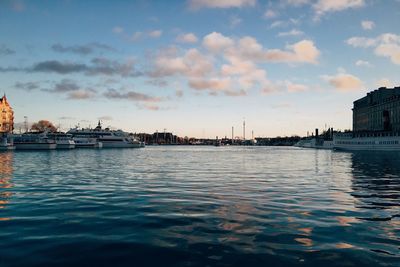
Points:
(387, 141)
(108, 138)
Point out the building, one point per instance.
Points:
(379, 110)
(6, 117)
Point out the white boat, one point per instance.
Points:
(87, 142)
(385, 141)
(33, 141)
(315, 143)
(107, 137)
(63, 140)
(6, 143)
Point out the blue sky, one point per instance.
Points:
(197, 67)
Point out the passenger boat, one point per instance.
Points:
(33, 141)
(384, 140)
(107, 137)
(63, 140)
(6, 143)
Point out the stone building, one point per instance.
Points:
(379, 110)
(6, 116)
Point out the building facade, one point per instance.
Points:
(6, 116)
(379, 110)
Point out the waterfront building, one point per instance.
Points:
(6, 117)
(379, 110)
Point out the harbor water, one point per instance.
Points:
(199, 206)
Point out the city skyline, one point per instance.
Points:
(197, 67)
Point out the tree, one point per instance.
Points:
(43, 125)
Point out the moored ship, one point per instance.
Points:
(33, 141)
(63, 140)
(106, 137)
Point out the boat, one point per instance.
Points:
(385, 141)
(63, 140)
(86, 142)
(6, 143)
(33, 141)
(108, 138)
(315, 143)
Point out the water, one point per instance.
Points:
(199, 206)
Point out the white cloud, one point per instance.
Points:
(361, 42)
(293, 32)
(363, 63)
(187, 38)
(118, 29)
(230, 65)
(155, 34)
(384, 82)
(386, 45)
(297, 2)
(344, 82)
(191, 64)
(327, 6)
(216, 42)
(234, 21)
(270, 14)
(367, 24)
(295, 87)
(198, 4)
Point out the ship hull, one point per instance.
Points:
(35, 146)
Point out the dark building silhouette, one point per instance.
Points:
(379, 110)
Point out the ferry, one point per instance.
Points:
(33, 141)
(384, 140)
(107, 137)
(6, 143)
(315, 143)
(63, 140)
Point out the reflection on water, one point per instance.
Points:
(201, 206)
(6, 171)
(376, 181)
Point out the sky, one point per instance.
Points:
(197, 67)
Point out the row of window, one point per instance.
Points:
(366, 142)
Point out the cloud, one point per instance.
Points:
(363, 63)
(131, 95)
(66, 85)
(81, 49)
(214, 84)
(118, 30)
(198, 4)
(191, 64)
(234, 21)
(385, 45)
(367, 24)
(66, 118)
(4, 50)
(27, 86)
(17, 6)
(344, 82)
(187, 38)
(216, 42)
(105, 118)
(328, 6)
(81, 94)
(270, 14)
(99, 66)
(58, 67)
(293, 32)
(155, 34)
(295, 87)
(296, 3)
(384, 82)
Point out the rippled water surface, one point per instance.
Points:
(199, 206)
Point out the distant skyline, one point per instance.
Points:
(197, 67)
